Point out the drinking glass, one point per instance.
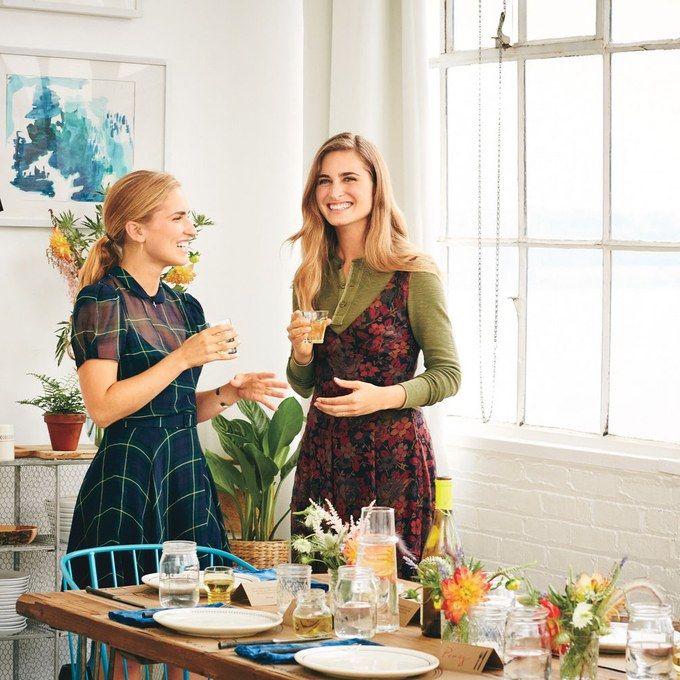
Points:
(317, 320)
(377, 550)
(649, 643)
(178, 577)
(291, 580)
(233, 350)
(219, 581)
(355, 600)
(527, 644)
(486, 625)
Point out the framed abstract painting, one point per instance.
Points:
(72, 124)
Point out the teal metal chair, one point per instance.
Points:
(111, 557)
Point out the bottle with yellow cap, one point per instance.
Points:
(442, 540)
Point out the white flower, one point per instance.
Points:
(314, 517)
(302, 545)
(583, 615)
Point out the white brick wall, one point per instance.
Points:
(511, 509)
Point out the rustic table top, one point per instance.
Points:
(79, 612)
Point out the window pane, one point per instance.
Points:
(462, 135)
(466, 23)
(645, 145)
(645, 370)
(557, 19)
(564, 147)
(564, 338)
(463, 306)
(633, 20)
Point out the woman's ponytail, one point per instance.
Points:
(103, 256)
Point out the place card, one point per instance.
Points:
(408, 610)
(457, 656)
(256, 594)
(288, 614)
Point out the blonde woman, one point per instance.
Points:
(139, 347)
(366, 437)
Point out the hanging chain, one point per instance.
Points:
(486, 417)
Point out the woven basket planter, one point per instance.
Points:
(261, 554)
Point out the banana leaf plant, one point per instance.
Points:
(258, 459)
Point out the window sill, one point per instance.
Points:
(611, 452)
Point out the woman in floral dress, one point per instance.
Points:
(366, 437)
(139, 347)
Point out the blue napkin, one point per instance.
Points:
(286, 653)
(137, 619)
(270, 575)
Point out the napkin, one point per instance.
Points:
(286, 653)
(270, 575)
(137, 619)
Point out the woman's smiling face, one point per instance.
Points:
(344, 189)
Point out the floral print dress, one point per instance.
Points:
(386, 455)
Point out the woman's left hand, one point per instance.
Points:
(258, 387)
(365, 398)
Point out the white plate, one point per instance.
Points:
(367, 662)
(224, 621)
(15, 629)
(13, 576)
(615, 641)
(151, 580)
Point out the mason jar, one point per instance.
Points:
(649, 642)
(178, 577)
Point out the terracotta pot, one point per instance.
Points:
(64, 430)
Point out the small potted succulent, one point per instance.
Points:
(64, 410)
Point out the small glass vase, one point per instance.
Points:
(579, 660)
(454, 632)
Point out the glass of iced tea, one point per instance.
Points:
(317, 320)
(220, 582)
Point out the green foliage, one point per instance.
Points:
(59, 396)
(258, 458)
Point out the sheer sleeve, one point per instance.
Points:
(98, 326)
(195, 314)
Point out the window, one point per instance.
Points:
(589, 293)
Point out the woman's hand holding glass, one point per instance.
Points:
(298, 332)
(211, 344)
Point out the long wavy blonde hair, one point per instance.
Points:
(387, 247)
(133, 198)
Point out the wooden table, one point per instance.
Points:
(79, 612)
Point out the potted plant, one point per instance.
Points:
(64, 410)
(258, 458)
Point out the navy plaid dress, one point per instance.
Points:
(149, 481)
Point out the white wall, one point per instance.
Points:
(513, 509)
(234, 126)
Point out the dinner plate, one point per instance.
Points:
(367, 662)
(615, 640)
(205, 622)
(7, 577)
(151, 580)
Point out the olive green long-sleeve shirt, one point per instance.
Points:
(348, 298)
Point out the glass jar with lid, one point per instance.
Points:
(312, 616)
(178, 577)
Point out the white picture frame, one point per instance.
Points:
(122, 9)
(71, 123)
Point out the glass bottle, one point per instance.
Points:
(312, 616)
(649, 642)
(377, 550)
(178, 584)
(442, 540)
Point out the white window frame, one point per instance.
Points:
(552, 443)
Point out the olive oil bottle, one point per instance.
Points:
(442, 540)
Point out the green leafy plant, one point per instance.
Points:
(59, 396)
(258, 459)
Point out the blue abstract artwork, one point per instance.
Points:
(69, 137)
